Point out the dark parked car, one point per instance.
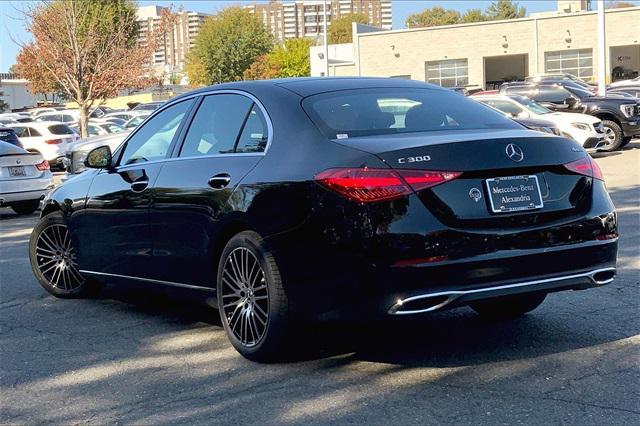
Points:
(8, 135)
(620, 115)
(305, 199)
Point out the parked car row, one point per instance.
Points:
(602, 123)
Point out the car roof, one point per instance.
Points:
(308, 86)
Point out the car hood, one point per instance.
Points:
(112, 140)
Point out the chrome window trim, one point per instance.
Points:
(203, 94)
(149, 280)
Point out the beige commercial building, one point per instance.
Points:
(487, 53)
(170, 55)
(305, 18)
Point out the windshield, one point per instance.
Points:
(533, 106)
(367, 112)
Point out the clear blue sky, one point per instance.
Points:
(13, 25)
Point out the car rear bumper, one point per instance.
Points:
(434, 301)
(12, 197)
(25, 189)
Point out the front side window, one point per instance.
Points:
(578, 62)
(151, 142)
(366, 112)
(216, 126)
(449, 73)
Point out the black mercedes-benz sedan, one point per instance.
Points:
(323, 198)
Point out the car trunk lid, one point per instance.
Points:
(508, 177)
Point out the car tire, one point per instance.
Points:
(611, 130)
(53, 260)
(625, 141)
(25, 207)
(509, 306)
(253, 305)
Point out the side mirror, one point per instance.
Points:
(522, 114)
(571, 102)
(99, 158)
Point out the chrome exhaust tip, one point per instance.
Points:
(422, 303)
(603, 276)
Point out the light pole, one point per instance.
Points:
(326, 39)
(602, 49)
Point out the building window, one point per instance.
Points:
(578, 62)
(448, 73)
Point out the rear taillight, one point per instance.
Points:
(53, 141)
(366, 185)
(423, 179)
(585, 166)
(43, 166)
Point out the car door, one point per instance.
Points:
(113, 232)
(225, 140)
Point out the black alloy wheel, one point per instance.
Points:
(245, 296)
(53, 259)
(253, 305)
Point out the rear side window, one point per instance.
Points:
(254, 135)
(553, 94)
(505, 106)
(21, 132)
(382, 111)
(215, 127)
(60, 129)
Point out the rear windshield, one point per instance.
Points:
(60, 129)
(366, 112)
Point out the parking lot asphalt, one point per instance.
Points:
(141, 356)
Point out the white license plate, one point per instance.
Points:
(17, 171)
(514, 193)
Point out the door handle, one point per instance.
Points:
(220, 181)
(139, 185)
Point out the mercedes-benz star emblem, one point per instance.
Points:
(475, 194)
(18, 161)
(514, 152)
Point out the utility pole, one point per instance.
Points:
(602, 50)
(326, 39)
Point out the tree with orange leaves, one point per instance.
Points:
(88, 48)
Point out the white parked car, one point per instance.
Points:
(623, 83)
(69, 116)
(36, 112)
(586, 129)
(49, 138)
(25, 179)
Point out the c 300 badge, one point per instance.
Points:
(475, 194)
